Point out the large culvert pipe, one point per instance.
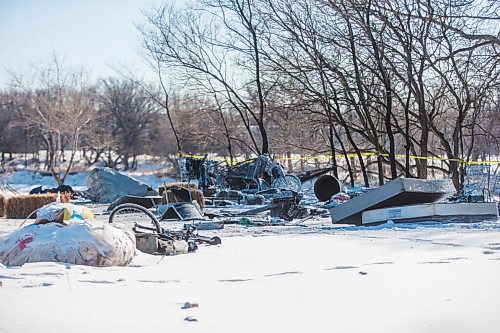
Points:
(326, 186)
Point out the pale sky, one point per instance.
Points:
(93, 34)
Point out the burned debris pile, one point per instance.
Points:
(259, 182)
(211, 195)
(258, 192)
(254, 175)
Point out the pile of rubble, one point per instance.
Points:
(260, 192)
(212, 194)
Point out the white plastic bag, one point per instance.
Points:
(63, 213)
(82, 243)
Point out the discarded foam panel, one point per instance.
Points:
(21, 206)
(434, 212)
(398, 192)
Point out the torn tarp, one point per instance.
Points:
(106, 185)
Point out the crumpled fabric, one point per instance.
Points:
(63, 213)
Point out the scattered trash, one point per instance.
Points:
(326, 186)
(261, 182)
(180, 194)
(189, 305)
(252, 175)
(209, 225)
(154, 239)
(259, 174)
(179, 211)
(62, 213)
(288, 208)
(363, 273)
(59, 189)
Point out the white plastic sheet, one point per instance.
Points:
(106, 185)
(83, 243)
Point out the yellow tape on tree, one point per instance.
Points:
(366, 154)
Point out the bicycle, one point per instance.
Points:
(137, 218)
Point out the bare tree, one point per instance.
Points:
(129, 113)
(58, 105)
(215, 47)
(364, 77)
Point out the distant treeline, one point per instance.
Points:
(306, 77)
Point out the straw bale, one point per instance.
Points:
(161, 189)
(199, 197)
(2, 205)
(195, 195)
(21, 206)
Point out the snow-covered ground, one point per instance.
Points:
(314, 278)
(307, 277)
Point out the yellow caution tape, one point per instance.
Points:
(366, 154)
(483, 162)
(181, 154)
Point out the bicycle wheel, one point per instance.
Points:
(129, 215)
(290, 182)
